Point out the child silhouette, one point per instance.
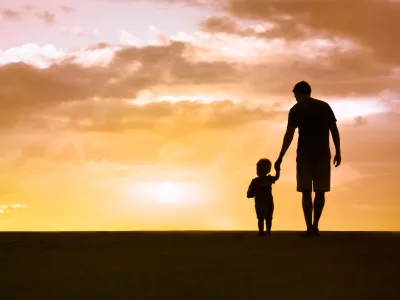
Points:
(260, 188)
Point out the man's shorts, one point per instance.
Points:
(265, 208)
(313, 175)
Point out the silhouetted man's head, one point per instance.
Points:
(263, 167)
(302, 91)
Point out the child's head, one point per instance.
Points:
(263, 167)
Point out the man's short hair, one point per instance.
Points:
(302, 87)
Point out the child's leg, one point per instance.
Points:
(268, 220)
(260, 217)
(269, 224)
(261, 225)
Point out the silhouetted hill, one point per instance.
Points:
(199, 265)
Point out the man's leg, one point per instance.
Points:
(322, 184)
(304, 185)
(319, 203)
(307, 209)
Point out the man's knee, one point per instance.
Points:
(322, 178)
(306, 193)
(319, 199)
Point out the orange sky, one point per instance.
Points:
(137, 115)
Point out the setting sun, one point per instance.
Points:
(172, 192)
(166, 192)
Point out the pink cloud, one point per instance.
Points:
(75, 31)
(47, 17)
(10, 14)
(197, 3)
(15, 15)
(67, 9)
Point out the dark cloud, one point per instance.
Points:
(275, 28)
(360, 121)
(365, 69)
(10, 14)
(15, 15)
(168, 61)
(30, 7)
(118, 132)
(369, 23)
(47, 17)
(196, 3)
(31, 152)
(25, 89)
(99, 46)
(166, 118)
(374, 142)
(67, 9)
(337, 74)
(220, 24)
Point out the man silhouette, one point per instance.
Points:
(315, 119)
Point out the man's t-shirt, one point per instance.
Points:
(313, 118)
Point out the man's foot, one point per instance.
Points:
(268, 232)
(309, 233)
(306, 234)
(261, 233)
(316, 230)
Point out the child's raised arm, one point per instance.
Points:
(277, 175)
(251, 191)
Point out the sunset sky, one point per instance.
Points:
(151, 115)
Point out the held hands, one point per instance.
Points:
(337, 160)
(278, 163)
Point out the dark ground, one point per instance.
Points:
(199, 265)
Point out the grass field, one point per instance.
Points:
(199, 265)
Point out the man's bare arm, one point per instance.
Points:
(336, 140)
(287, 140)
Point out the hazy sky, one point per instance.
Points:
(136, 115)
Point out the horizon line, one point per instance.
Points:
(188, 231)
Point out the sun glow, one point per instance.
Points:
(350, 109)
(146, 96)
(166, 192)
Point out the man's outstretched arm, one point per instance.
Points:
(336, 140)
(287, 140)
